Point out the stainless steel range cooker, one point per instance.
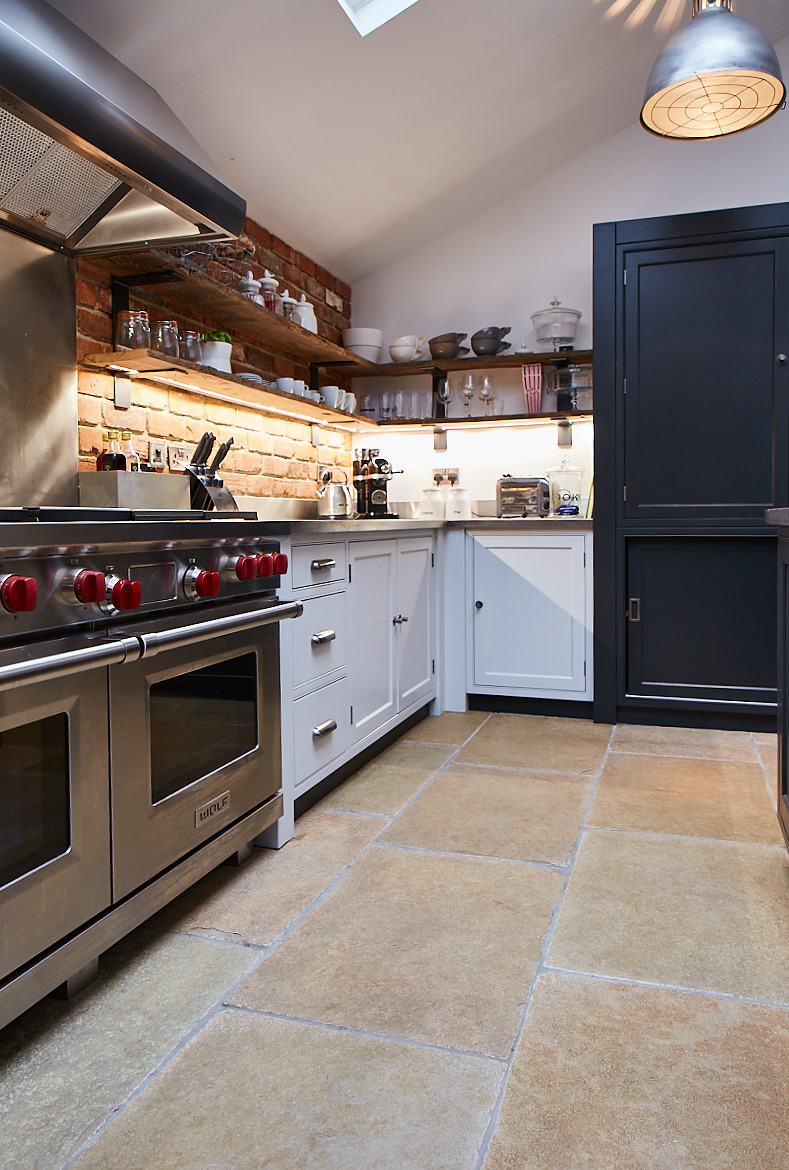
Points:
(139, 723)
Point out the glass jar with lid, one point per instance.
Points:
(190, 345)
(565, 488)
(132, 330)
(164, 338)
(268, 290)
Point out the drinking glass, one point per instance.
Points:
(443, 395)
(467, 391)
(487, 394)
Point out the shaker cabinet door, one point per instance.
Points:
(701, 619)
(705, 393)
(530, 613)
(371, 648)
(415, 637)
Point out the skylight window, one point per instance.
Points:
(368, 15)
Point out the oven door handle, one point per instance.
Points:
(162, 640)
(107, 652)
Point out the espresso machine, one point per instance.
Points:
(371, 474)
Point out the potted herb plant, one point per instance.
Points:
(217, 346)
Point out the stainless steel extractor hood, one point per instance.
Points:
(91, 159)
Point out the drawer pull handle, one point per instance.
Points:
(324, 729)
(316, 566)
(323, 637)
(399, 620)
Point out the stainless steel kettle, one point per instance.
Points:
(334, 499)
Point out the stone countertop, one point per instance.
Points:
(777, 517)
(295, 527)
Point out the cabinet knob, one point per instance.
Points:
(326, 728)
(478, 605)
(781, 358)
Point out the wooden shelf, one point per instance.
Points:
(192, 288)
(504, 362)
(150, 366)
(490, 420)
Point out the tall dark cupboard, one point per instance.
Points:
(691, 337)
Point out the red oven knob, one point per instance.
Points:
(206, 584)
(243, 568)
(265, 565)
(19, 594)
(200, 583)
(126, 594)
(280, 564)
(90, 587)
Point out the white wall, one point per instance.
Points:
(482, 456)
(511, 260)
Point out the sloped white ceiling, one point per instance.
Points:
(356, 150)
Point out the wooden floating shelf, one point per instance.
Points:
(191, 289)
(149, 365)
(490, 419)
(504, 362)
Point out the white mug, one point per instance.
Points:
(334, 396)
(350, 402)
(285, 384)
(299, 387)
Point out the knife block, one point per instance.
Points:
(208, 493)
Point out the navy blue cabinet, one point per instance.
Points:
(691, 337)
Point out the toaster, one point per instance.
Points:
(522, 495)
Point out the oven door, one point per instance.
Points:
(54, 832)
(195, 745)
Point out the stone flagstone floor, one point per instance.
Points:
(508, 942)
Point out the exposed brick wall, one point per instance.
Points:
(270, 457)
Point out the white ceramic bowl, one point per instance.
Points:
(362, 337)
(370, 352)
(402, 353)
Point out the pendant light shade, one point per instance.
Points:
(716, 76)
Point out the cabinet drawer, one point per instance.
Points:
(316, 743)
(319, 638)
(318, 564)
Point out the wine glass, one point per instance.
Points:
(467, 390)
(487, 394)
(444, 394)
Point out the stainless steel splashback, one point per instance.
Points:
(38, 375)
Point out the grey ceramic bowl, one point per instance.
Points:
(457, 337)
(497, 331)
(486, 346)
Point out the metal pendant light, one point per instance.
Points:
(716, 76)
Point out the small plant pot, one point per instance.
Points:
(216, 354)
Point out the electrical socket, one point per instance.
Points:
(177, 456)
(157, 454)
(448, 475)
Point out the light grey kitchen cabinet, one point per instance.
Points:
(529, 613)
(391, 636)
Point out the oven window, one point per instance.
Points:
(35, 787)
(201, 721)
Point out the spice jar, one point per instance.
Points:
(288, 305)
(164, 338)
(268, 290)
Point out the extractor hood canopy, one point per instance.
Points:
(91, 159)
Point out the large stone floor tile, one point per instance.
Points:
(250, 1092)
(710, 915)
(685, 796)
(418, 945)
(768, 755)
(769, 737)
(527, 816)
(255, 903)
(65, 1067)
(534, 741)
(615, 1077)
(390, 780)
(703, 742)
(453, 727)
